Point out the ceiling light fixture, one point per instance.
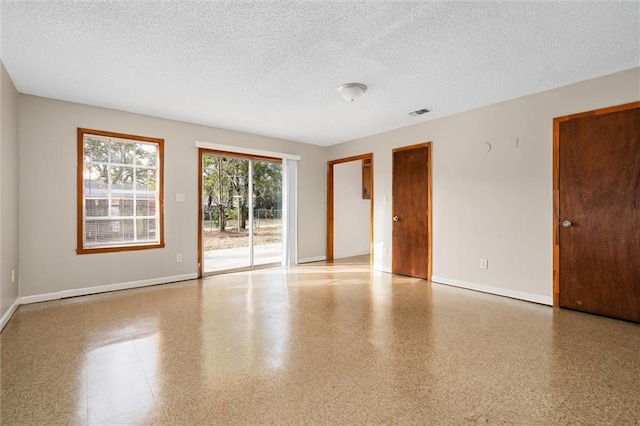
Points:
(352, 91)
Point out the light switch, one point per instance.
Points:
(180, 197)
(512, 142)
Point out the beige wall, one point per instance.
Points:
(8, 192)
(351, 212)
(495, 206)
(48, 197)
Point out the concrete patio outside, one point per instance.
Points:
(225, 259)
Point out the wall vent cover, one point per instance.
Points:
(419, 112)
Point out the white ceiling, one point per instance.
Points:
(272, 68)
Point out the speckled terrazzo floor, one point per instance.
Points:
(318, 344)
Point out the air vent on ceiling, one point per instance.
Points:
(419, 112)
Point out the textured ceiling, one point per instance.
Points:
(272, 68)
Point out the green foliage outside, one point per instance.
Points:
(122, 161)
(226, 189)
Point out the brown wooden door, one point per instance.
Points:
(599, 213)
(410, 213)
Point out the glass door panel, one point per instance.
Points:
(225, 227)
(232, 238)
(267, 212)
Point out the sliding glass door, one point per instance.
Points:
(241, 212)
(267, 212)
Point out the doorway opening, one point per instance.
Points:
(240, 224)
(350, 209)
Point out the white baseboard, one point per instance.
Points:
(529, 297)
(104, 288)
(351, 255)
(7, 315)
(312, 259)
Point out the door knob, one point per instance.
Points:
(567, 223)
(396, 219)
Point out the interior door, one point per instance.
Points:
(411, 211)
(599, 213)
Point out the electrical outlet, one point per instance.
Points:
(179, 257)
(484, 264)
(13, 275)
(385, 251)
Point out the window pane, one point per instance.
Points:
(95, 191)
(96, 207)
(91, 232)
(95, 150)
(121, 177)
(114, 210)
(146, 154)
(127, 207)
(121, 205)
(120, 183)
(146, 179)
(145, 206)
(122, 153)
(99, 232)
(146, 229)
(96, 173)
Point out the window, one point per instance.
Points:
(120, 192)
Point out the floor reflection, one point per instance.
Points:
(320, 343)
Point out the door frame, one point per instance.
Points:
(429, 147)
(201, 153)
(330, 203)
(556, 185)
